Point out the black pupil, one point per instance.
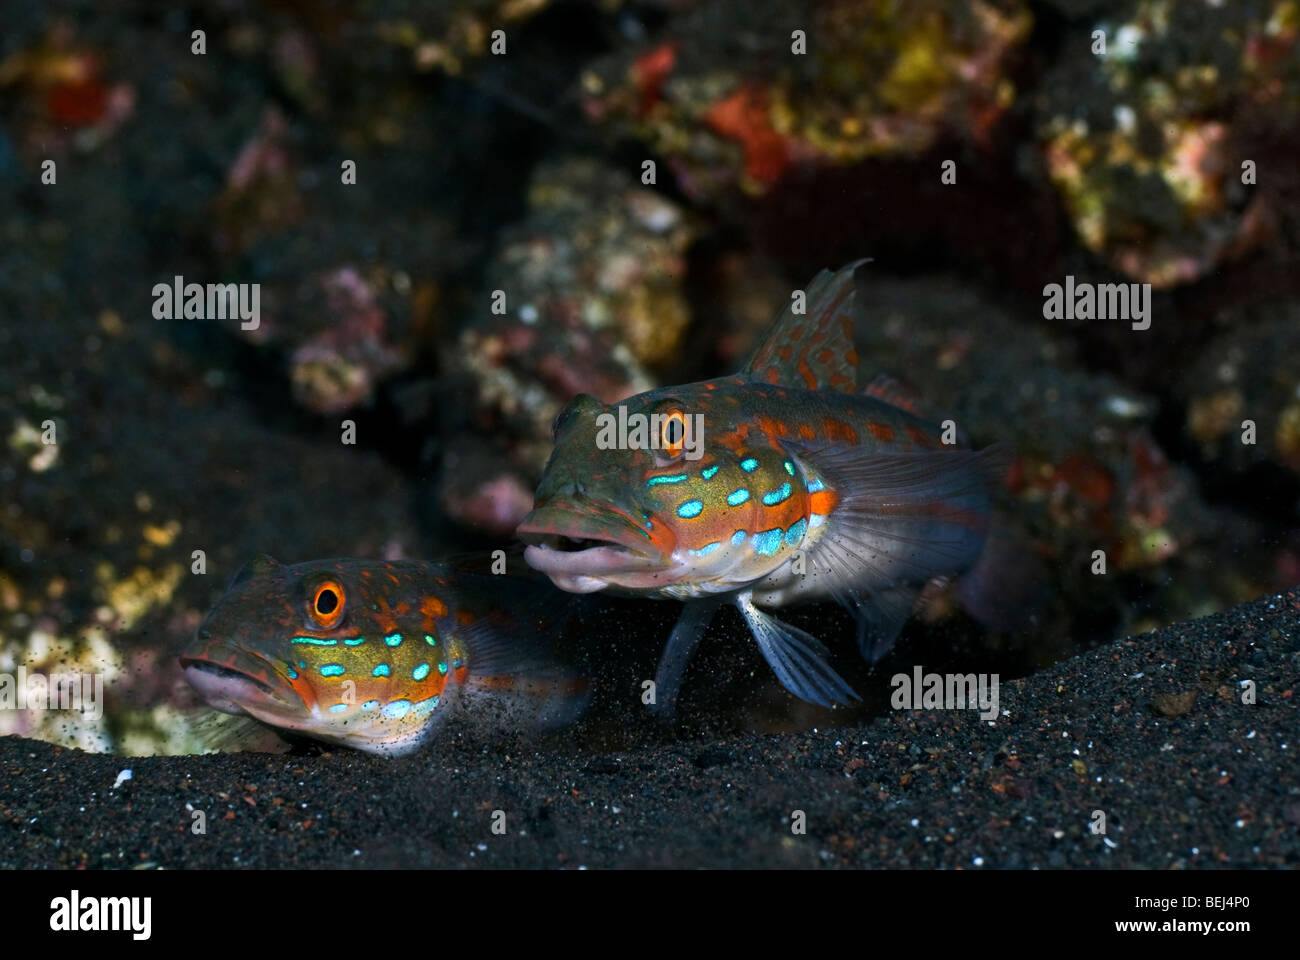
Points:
(674, 430)
(327, 602)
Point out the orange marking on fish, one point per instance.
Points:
(303, 688)
(773, 375)
(433, 607)
(464, 617)
(773, 428)
(809, 377)
(882, 432)
(498, 682)
(823, 501)
(384, 617)
(839, 431)
(806, 432)
(919, 436)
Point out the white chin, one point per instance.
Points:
(577, 584)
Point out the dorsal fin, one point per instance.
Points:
(895, 393)
(813, 350)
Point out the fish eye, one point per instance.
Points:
(326, 607)
(672, 434)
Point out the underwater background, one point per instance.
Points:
(978, 152)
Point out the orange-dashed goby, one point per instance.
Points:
(375, 655)
(801, 486)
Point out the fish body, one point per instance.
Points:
(801, 487)
(376, 655)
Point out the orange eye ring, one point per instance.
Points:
(672, 434)
(326, 607)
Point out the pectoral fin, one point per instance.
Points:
(898, 520)
(677, 654)
(797, 658)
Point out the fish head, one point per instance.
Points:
(660, 494)
(340, 650)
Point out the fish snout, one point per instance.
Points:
(228, 677)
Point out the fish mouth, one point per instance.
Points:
(585, 551)
(236, 682)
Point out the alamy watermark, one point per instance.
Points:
(674, 432)
(1098, 301)
(213, 301)
(59, 691)
(75, 913)
(945, 691)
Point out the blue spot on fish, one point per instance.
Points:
(737, 497)
(738, 538)
(393, 639)
(814, 485)
(789, 468)
(777, 496)
(370, 705)
(691, 508)
(708, 472)
(442, 668)
(396, 709)
(338, 708)
(749, 464)
(420, 672)
(332, 670)
(353, 641)
(314, 641)
(795, 534)
(380, 671)
(707, 549)
(425, 707)
(671, 478)
(767, 542)
(430, 640)
(293, 674)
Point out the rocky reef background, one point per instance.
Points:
(522, 172)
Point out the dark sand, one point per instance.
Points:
(1150, 730)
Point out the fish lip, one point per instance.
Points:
(228, 687)
(618, 540)
(593, 561)
(205, 665)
